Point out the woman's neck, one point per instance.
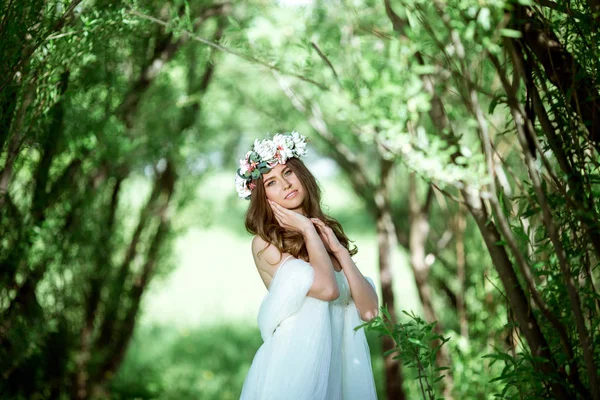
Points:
(300, 210)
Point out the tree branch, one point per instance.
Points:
(326, 61)
(231, 51)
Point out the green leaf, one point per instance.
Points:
(234, 23)
(391, 351)
(510, 33)
(423, 69)
(484, 18)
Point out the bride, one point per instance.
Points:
(316, 294)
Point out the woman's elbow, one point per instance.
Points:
(369, 315)
(331, 294)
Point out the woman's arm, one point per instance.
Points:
(324, 285)
(269, 260)
(363, 294)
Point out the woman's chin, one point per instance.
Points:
(292, 204)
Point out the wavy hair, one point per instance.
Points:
(261, 221)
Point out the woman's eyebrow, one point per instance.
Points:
(283, 171)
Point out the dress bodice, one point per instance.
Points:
(343, 287)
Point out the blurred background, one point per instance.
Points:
(455, 140)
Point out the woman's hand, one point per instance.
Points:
(289, 219)
(331, 242)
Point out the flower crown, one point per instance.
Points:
(264, 156)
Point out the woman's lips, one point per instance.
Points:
(291, 195)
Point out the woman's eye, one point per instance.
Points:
(287, 172)
(271, 183)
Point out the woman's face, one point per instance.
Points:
(283, 187)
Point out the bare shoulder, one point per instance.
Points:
(267, 258)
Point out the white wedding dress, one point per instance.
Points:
(310, 349)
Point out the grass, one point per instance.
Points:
(208, 363)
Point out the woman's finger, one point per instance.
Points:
(323, 237)
(321, 230)
(322, 224)
(278, 216)
(276, 209)
(326, 230)
(317, 222)
(276, 212)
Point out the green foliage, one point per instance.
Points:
(416, 345)
(207, 363)
(76, 258)
(518, 376)
(103, 101)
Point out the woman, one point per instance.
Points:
(317, 295)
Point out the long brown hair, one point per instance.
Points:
(261, 221)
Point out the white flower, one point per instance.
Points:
(284, 144)
(300, 151)
(244, 166)
(283, 140)
(299, 144)
(266, 149)
(240, 186)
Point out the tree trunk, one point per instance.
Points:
(386, 239)
(460, 225)
(50, 147)
(15, 141)
(522, 125)
(164, 51)
(565, 267)
(419, 232)
(97, 281)
(514, 292)
(123, 330)
(582, 199)
(117, 327)
(562, 69)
